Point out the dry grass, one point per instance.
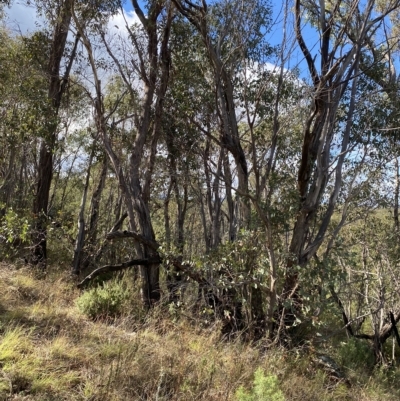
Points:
(48, 351)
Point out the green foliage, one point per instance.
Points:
(246, 34)
(265, 388)
(354, 354)
(23, 87)
(14, 226)
(246, 256)
(105, 301)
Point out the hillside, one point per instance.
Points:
(50, 351)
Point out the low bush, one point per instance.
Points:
(265, 388)
(108, 300)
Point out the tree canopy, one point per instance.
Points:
(228, 151)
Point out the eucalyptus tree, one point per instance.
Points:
(370, 283)
(23, 100)
(60, 21)
(345, 29)
(116, 106)
(273, 107)
(378, 62)
(190, 124)
(150, 59)
(230, 31)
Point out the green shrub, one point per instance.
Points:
(13, 226)
(355, 354)
(14, 231)
(265, 388)
(107, 300)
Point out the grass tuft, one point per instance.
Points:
(49, 351)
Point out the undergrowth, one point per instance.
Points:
(104, 301)
(50, 350)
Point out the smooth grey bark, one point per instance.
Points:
(229, 198)
(95, 202)
(154, 67)
(158, 70)
(80, 238)
(202, 210)
(87, 233)
(339, 67)
(179, 187)
(167, 219)
(6, 188)
(213, 194)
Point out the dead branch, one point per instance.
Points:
(117, 226)
(115, 268)
(394, 328)
(131, 234)
(385, 332)
(339, 303)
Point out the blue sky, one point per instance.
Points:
(23, 19)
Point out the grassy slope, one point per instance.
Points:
(48, 351)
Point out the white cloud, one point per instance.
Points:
(117, 23)
(21, 18)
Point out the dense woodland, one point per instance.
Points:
(237, 161)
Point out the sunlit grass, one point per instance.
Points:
(50, 351)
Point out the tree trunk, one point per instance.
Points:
(45, 171)
(136, 191)
(229, 198)
(45, 174)
(7, 188)
(315, 169)
(95, 203)
(396, 197)
(224, 91)
(80, 239)
(167, 219)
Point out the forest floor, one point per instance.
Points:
(50, 351)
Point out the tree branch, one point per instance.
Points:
(394, 328)
(131, 234)
(303, 46)
(115, 268)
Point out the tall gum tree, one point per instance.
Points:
(377, 62)
(231, 32)
(333, 72)
(135, 183)
(227, 42)
(56, 88)
(23, 95)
